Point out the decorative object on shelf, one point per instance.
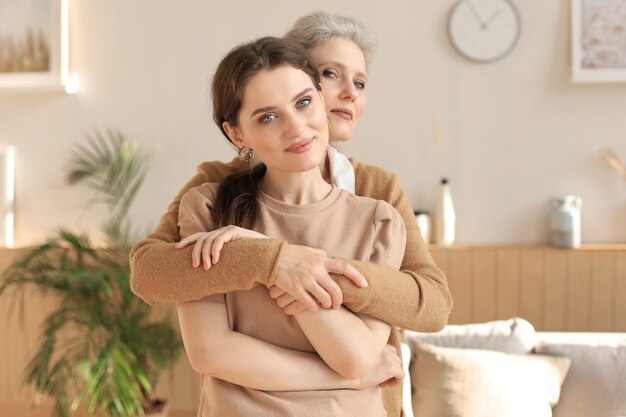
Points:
(445, 217)
(614, 161)
(100, 347)
(565, 229)
(7, 194)
(34, 47)
(484, 30)
(598, 40)
(423, 222)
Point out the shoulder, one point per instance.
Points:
(378, 209)
(375, 182)
(365, 170)
(202, 194)
(216, 171)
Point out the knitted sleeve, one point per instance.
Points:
(160, 273)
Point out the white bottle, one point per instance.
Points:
(445, 218)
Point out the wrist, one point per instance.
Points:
(277, 258)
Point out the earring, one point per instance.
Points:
(245, 154)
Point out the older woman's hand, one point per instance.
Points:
(303, 280)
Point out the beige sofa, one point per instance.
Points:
(505, 368)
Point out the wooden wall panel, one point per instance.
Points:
(531, 286)
(508, 287)
(578, 291)
(484, 272)
(583, 289)
(460, 280)
(619, 296)
(601, 296)
(555, 290)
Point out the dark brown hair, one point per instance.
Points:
(236, 199)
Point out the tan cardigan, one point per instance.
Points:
(416, 298)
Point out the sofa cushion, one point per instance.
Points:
(450, 382)
(515, 335)
(597, 377)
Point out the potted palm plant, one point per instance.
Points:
(99, 349)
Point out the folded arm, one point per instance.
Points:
(350, 344)
(214, 349)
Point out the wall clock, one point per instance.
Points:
(484, 30)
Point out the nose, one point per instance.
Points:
(349, 91)
(294, 125)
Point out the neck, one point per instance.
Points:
(325, 169)
(297, 188)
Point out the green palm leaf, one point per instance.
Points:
(113, 354)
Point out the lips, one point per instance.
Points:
(301, 145)
(343, 113)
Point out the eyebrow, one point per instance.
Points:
(264, 109)
(342, 66)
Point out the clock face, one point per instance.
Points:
(484, 30)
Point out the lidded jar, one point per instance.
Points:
(565, 223)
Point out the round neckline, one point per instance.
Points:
(317, 206)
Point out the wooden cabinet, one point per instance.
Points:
(581, 289)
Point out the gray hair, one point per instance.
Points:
(317, 28)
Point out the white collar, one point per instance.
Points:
(341, 170)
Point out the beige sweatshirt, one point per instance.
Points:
(341, 224)
(416, 297)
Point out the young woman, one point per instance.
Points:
(266, 99)
(416, 297)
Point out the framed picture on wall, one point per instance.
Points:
(34, 52)
(598, 40)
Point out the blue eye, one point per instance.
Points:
(359, 84)
(329, 74)
(303, 103)
(267, 118)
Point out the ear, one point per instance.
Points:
(234, 134)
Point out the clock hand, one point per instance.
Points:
(490, 19)
(475, 12)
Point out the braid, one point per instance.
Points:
(236, 200)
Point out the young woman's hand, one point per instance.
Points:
(208, 245)
(303, 275)
(387, 373)
(289, 304)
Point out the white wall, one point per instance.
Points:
(516, 132)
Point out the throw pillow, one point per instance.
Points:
(515, 335)
(595, 386)
(450, 382)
